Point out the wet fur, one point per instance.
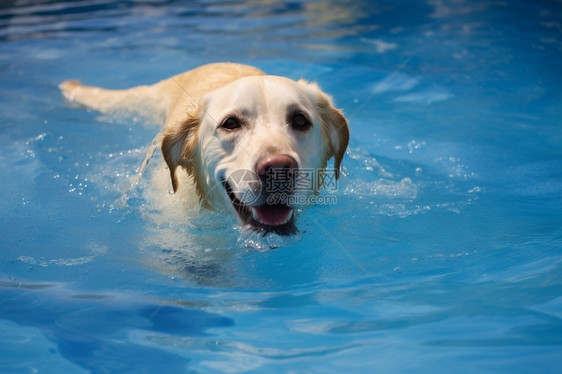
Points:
(184, 101)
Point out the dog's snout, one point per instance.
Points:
(271, 163)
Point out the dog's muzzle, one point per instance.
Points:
(261, 197)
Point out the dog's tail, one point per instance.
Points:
(136, 99)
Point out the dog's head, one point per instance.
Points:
(259, 146)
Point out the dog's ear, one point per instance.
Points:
(178, 147)
(338, 132)
(334, 125)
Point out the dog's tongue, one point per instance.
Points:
(272, 214)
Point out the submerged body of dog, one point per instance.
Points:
(241, 135)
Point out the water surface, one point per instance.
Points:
(443, 250)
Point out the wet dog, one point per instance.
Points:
(253, 144)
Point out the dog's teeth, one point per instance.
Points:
(289, 216)
(255, 215)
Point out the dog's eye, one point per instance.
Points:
(231, 123)
(300, 122)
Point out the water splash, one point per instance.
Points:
(252, 240)
(399, 188)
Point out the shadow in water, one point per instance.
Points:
(92, 331)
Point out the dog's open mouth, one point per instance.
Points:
(265, 218)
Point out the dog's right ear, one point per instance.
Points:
(178, 147)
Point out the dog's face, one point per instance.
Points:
(258, 146)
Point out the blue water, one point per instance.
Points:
(442, 254)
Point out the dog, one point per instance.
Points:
(245, 139)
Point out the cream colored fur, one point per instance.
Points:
(197, 102)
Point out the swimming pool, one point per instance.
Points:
(443, 251)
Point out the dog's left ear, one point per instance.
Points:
(338, 132)
(335, 125)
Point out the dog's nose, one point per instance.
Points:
(269, 164)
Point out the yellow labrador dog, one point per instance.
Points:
(246, 140)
